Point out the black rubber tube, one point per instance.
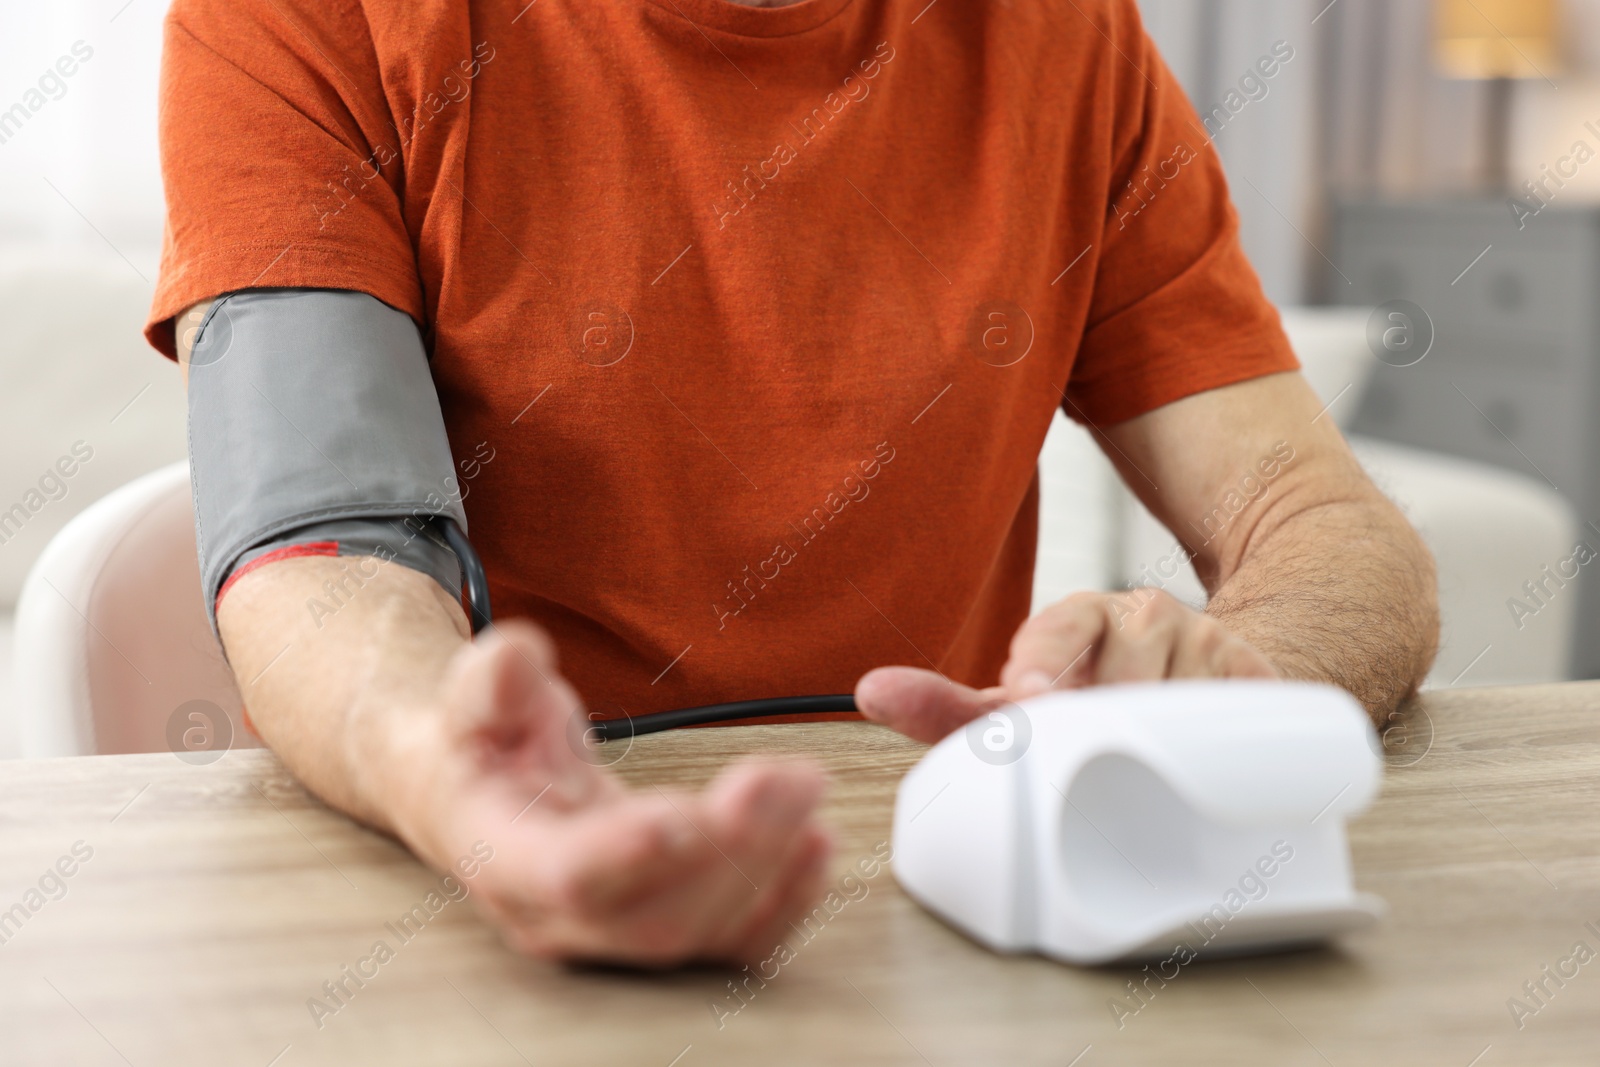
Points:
(477, 585)
(618, 729)
(476, 581)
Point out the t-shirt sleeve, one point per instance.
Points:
(279, 163)
(1177, 309)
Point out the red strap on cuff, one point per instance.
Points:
(310, 548)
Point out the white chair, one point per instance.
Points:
(111, 632)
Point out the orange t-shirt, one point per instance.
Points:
(747, 323)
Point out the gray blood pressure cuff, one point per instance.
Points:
(315, 429)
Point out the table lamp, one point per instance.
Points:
(1497, 41)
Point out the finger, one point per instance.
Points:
(920, 704)
(688, 914)
(1057, 648)
(1200, 650)
(657, 878)
(491, 682)
(696, 864)
(658, 932)
(753, 804)
(1207, 650)
(758, 815)
(1241, 659)
(513, 712)
(1141, 637)
(592, 862)
(530, 642)
(757, 939)
(644, 913)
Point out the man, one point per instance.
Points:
(751, 321)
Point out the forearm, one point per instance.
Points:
(1303, 557)
(345, 699)
(1339, 591)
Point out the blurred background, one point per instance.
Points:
(1419, 188)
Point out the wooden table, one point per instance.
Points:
(218, 899)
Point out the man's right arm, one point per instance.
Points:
(389, 711)
(343, 697)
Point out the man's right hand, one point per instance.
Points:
(388, 711)
(584, 868)
(385, 708)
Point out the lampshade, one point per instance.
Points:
(1497, 38)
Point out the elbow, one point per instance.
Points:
(1410, 628)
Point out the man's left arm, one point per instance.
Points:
(1312, 572)
(1303, 557)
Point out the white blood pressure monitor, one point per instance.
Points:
(1130, 822)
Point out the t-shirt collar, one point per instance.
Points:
(748, 21)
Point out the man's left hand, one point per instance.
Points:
(1141, 635)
